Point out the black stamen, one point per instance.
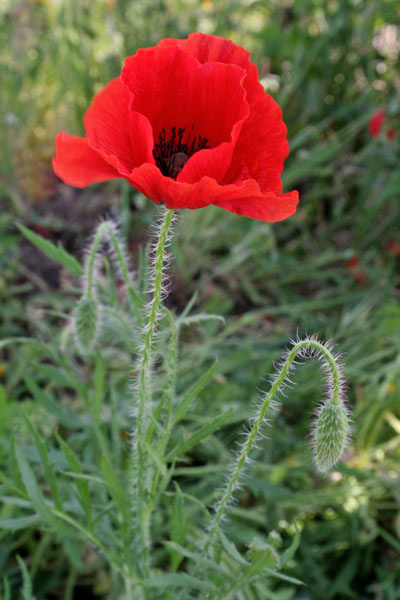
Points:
(171, 154)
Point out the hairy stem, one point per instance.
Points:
(107, 230)
(335, 382)
(139, 454)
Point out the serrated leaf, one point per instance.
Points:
(192, 393)
(262, 555)
(56, 253)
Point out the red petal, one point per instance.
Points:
(266, 206)
(211, 48)
(124, 138)
(245, 199)
(78, 164)
(172, 89)
(262, 146)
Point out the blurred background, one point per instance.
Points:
(333, 269)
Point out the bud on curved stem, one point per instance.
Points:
(86, 322)
(330, 432)
(87, 312)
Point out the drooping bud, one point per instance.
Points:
(330, 435)
(86, 322)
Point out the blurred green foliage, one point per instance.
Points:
(333, 269)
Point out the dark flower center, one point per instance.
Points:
(171, 152)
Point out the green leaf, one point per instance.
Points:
(115, 488)
(199, 318)
(57, 253)
(262, 555)
(231, 548)
(81, 484)
(18, 523)
(47, 466)
(156, 459)
(24, 340)
(197, 558)
(98, 389)
(176, 580)
(290, 552)
(192, 393)
(27, 593)
(283, 577)
(64, 415)
(200, 435)
(6, 590)
(32, 488)
(389, 539)
(178, 526)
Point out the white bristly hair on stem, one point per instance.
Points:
(87, 314)
(142, 388)
(330, 434)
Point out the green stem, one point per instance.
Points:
(89, 266)
(107, 229)
(258, 422)
(139, 457)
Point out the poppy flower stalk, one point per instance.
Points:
(330, 434)
(139, 456)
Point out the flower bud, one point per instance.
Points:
(86, 322)
(330, 435)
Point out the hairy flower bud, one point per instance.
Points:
(330, 435)
(86, 322)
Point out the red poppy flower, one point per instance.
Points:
(188, 124)
(376, 122)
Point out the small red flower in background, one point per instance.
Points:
(188, 124)
(393, 248)
(353, 262)
(376, 122)
(391, 134)
(357, 273)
